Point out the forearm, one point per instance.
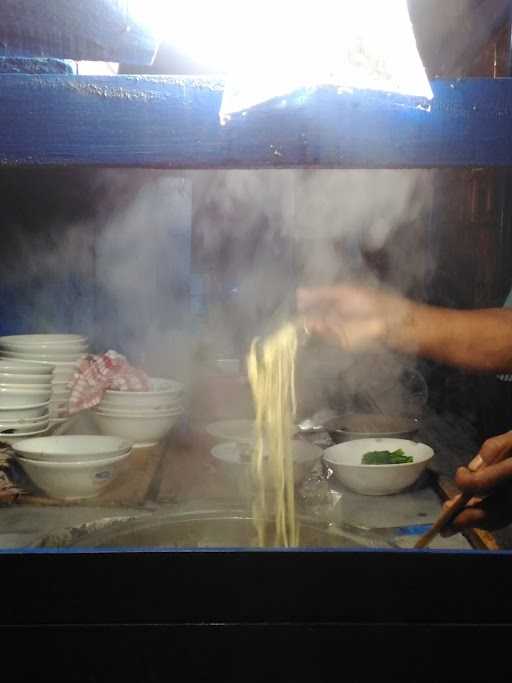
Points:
(478, 340)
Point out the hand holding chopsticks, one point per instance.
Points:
(493, 468)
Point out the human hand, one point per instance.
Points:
(491, 488)
(355, 318)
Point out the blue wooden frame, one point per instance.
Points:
(172, 122)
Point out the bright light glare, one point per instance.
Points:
(270, 48)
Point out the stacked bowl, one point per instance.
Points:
(25, 392)
(61, 352)
(71, 467)
(144, 417)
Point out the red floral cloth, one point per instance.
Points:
(96, 374)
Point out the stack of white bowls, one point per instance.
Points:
(71, 467)
(144, 417)
(25, 392)
(59, 351)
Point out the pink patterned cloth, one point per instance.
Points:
(96, 374)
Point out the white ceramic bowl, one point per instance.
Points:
(71, 480)
(58, 354)
(38, 339)
(16, 398)
(29, 421)
(143, 431)
(377, 480)
(8, 378)
(170, 409)
(234, 460)
(73, 448)
(32, 411)
(55, 366)
(22, 435)
(37, 388)
(25, 428)
(43, 357)
(20, 367)
(164, 391)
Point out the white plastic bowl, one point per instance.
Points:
(73, 448)
(377, 480)
(71, 480)
(143, 431)
(13, 413)
(16, 398)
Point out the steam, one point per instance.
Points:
(248, 238)
(273, 229)
(143, 262)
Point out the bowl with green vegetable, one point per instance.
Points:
(378, 466)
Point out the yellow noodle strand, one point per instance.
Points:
(271, 370)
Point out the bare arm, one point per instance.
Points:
(479, 339)
(359, 318)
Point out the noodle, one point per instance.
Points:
(271, 369)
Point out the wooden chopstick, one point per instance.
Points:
(443, 520)
(459, 503)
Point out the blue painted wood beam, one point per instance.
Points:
(170, 122)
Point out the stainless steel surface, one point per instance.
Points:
(202, 529)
